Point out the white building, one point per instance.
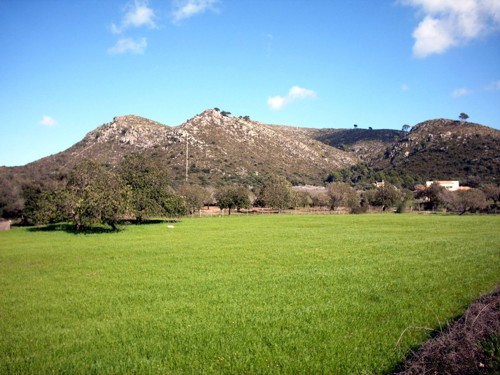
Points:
(449, 185)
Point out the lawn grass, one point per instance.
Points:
(249, 294)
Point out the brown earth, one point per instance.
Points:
(470, 345)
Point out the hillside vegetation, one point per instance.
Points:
(214, 149)
(447, 149)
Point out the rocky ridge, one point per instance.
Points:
(220, 149)
(447, 149)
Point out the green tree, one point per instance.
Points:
(11, 202)
(232, 197)
(195, 196)
(435, 196)
(301, 199)
(276, 193)
(150, 187)
(406, 128)
(386, 196)
(341, 194)
(47, 206)
(463, 117)
(96, 195)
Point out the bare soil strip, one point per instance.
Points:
(470, 345)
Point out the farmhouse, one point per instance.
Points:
(449, 185)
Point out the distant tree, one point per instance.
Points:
(435, 196)
(386, 196)
(96, 195)
(406, 128)
(216, 109)
(355, 126)
(463, 116)
(301, 199)
(320, 200)
(406, 200)
(370, 128)
(194, 195)
(467, 200)
(276, 193)
(341, 194)
(225, 113)
(11, 200)
(492, 194)
(150, 186)
(232, 197)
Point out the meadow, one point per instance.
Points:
(339, 294)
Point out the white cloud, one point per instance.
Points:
(137, 14)
(47, 121)
(129, 45)
(295, 93)
(184, 9)
(450, 23)
(462, 91)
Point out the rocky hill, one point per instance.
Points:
(219, 149)
(368, 144)
(447, 150)
(223, 149)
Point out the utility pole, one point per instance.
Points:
(187, 157)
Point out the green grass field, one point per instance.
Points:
(248, 294)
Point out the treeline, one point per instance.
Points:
(137, 189)
(140, 188)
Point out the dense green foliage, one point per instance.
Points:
(258, 294)
(95, 195)
(276, 192)
(150, 186)
(195, 196)
(232, 196)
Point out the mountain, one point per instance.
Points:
(444, 149)
(367, 144)
(219, 149)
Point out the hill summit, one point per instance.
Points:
(214, 148)
(447, 149)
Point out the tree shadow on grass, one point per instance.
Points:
(70, 228)
(143, 222)
(122, 224)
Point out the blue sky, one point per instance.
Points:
(67, 67)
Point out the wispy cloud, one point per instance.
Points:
(137, 14)
(129, 45)
(462, 91)
(495, 85)
(269, 43)
(295, 93)
(184, 9)
(47, 121)
(451, 23)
